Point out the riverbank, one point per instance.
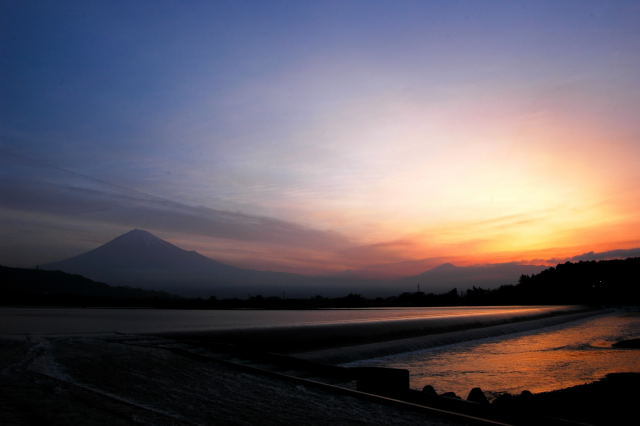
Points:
(123, 380)
(611, 400)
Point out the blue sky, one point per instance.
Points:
(355, 123)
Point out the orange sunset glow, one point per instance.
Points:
(502, 145)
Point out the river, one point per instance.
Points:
(545, 359)
(537, 360)
(107, 320)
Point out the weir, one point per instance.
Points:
(344, 342)
(441, 337)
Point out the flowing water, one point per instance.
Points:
(542, 360)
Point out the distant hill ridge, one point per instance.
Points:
(29, 286)
(140, 259)
(447, 276)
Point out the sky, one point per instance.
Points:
(321, 136)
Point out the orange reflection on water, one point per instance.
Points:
(552, 358)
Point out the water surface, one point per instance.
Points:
(541, 360)
(91, 320)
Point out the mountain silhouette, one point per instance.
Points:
(36, 286)
(445, 267)
(139, 258)
(447, 276)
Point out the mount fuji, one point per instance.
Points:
(140, 259)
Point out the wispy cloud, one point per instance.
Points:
(611, 254)
(36, 189)
(95, 204)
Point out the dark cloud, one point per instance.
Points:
(93, 203)
(611, 254)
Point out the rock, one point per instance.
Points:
(503, 400)
(450, 395)
(429, 392)
(476, 395)
(627, 344)
(525, 394)
(382, 381)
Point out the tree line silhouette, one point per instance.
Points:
(610, 282)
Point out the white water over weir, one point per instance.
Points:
(441, 336)
(347, 341)
(325, 335)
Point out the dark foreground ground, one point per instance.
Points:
(123, 380)
(610, 401)
(127, 379)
